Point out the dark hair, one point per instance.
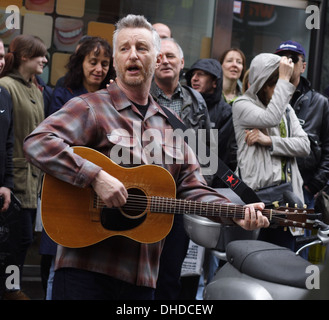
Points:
(23, 46)
(270, 82)
(74, 76)
(221, 60)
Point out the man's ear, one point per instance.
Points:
(214, 83)
(183, 63)
(158, 60)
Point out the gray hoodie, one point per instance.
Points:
(260, 166)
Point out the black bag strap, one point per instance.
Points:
(288, 163)
(224, 172)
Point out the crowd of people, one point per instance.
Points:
(270, 131)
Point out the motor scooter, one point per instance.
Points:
(257, 270)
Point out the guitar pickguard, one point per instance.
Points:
(113, 219)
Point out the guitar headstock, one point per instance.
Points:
(295, 217)
(294, 210)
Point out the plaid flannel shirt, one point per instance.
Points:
(94, 120)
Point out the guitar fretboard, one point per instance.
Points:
(179, 206)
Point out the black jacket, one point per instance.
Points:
(220, 112)
(312, 109)
(6, 140)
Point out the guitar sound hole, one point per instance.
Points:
(136, 204)
(130, 216)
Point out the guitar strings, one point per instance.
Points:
(166, 205)
(171, 205)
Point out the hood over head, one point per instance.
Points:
(261, 68)
(211, 66)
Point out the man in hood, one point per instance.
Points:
(206, 76)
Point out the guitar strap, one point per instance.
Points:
(224, 173)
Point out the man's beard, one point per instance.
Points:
(135, 81)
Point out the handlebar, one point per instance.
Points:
(322, 236)
(302, 240)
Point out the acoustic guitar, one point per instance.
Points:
(76, 217)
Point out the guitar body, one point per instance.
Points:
(73, 217)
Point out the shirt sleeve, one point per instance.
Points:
(49, 146)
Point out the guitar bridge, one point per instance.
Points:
(94, 208)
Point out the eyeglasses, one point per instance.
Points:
(293, 57)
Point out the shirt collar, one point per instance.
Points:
(121, 102)
(157, 92)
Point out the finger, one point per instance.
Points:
(6, 204)
(247, 218)
(259, 206)
(120, 199)
(253, 215)
(263, 221)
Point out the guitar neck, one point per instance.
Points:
(216, 210)
(283, 216)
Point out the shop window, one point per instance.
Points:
(259, 27)
(62, 23)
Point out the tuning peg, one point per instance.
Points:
(305, 206)
(287, 205)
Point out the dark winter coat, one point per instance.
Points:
(219, 111)
(312, 109)
(6, 140)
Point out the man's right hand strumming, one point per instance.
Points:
(110, 190)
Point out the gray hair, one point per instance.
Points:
(181, 53)
(136, 21)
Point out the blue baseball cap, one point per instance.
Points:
(290, 46)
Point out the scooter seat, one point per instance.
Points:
(269, 262)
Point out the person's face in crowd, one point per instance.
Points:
(299, 65)
(171, 64)
(34, 65)
(135, 57)
(269, 91)
(232, 65)
(2, 56)
(162, 30)
(203, 82)
(95, 68)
